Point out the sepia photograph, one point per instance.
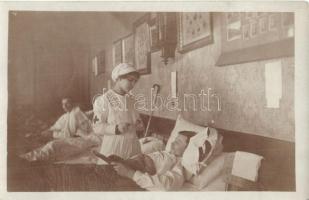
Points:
(147, 100)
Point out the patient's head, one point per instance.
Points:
(67, 104)
(179, 145)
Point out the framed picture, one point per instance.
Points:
(254, 27)
(194, 30)
(246, 31)
(128, 49)
(142, 45)
(94, 66)
(98, 63)
(117, 52)
(263, 25)
(154, 35)
(101, 62)
(234, 31)
(262, 35)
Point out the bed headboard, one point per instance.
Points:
(277, 172)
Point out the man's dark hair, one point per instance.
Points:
(188, 134)
(136, 74)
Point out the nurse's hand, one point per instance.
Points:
(123, 170)
(123, 127)
(139, 126)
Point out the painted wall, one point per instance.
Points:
(115, 27)
(241, 89)
(50, 56)
(46, 61)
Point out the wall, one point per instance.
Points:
(46, 61)
(50, 56)
(118, 26)
(240, 87)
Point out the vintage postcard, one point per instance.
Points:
(154, 99)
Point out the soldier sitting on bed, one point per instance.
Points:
(72, 123)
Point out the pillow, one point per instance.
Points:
(210, 172)
(201, 150)
(151, 144)
(182, 125)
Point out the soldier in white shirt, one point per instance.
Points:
(72, 123)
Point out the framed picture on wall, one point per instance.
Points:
(154, 34)
(194, 30)
(117, 52)
(263, 34)
(98, 63)
(142, 45)
(101, 62)
(128, 49)
(94, 66)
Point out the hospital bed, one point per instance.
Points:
(61, 176)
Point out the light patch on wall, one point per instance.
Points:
(174, 84)
(95, 66)
(109, 84)
(273, 84)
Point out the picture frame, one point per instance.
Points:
(94, 65)
(117, 52)
(154, 34)
(101, 62)
(234, 31)
(261, 33)
(263, 25)
(142, 50)
(128, 49)
(194, 30)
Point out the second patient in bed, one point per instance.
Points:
(71, 124)
(170, 174)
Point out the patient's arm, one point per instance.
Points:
(123, 170)
(170, 180)
(59, 124)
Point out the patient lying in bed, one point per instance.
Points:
(169, 173)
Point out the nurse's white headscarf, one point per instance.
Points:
(122, 69)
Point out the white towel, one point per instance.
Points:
(246, 165)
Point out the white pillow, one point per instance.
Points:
(182, 125)
(151, 144)
(200, 149)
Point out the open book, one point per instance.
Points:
(139, 162)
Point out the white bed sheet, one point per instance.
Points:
(217, 184)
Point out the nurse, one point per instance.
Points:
(115, 118)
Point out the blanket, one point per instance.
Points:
(63, 149)
(43, 176)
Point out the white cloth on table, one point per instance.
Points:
(169, 176)
(111, 109)
(246, 165)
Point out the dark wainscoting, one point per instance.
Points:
(277, 172)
